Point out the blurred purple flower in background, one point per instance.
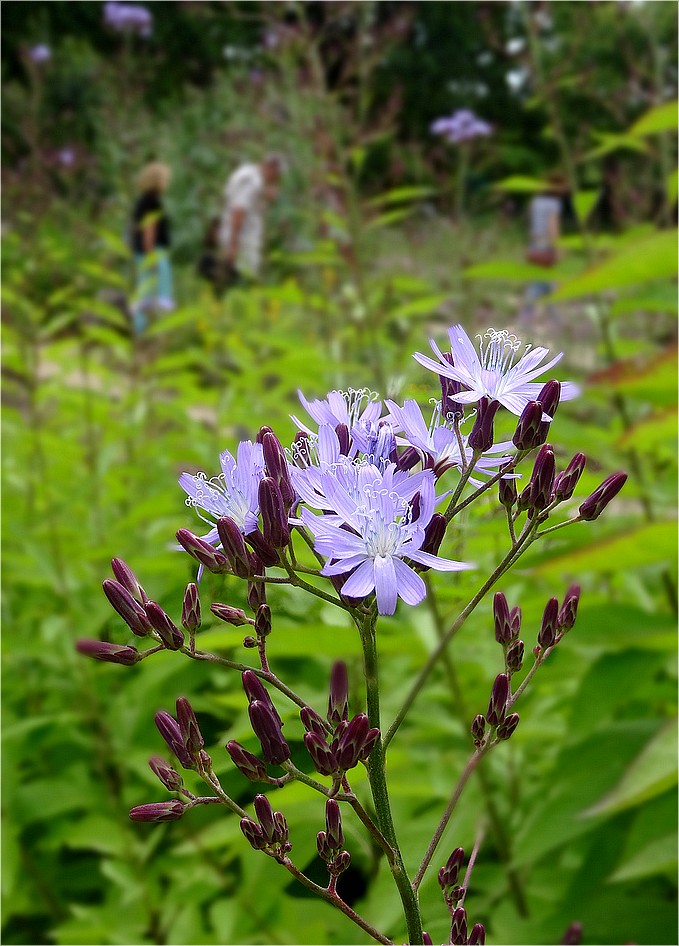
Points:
(462, 125)
(40, 53)
(128, 17)
(66, 157)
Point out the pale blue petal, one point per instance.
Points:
(386, 587)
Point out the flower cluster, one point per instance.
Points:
(462, 125)
(40, 53)
(128, 18)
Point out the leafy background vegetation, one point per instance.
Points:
(365, 263)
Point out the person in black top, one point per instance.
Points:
(150, 245)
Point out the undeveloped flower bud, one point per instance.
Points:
(129, 610)
(322, 756)
(498, 700)
(340, 863)
(265, 814)
(233, 544)
(126, 577)
(515, 621)
(569, 609)
(477, 937)
(168, 727)
(235, 616)
(549, 397)
(351, 742)
(449, 388)
(597, 501)
(507, 493)
(263, 620)
(312, 721)
(158, 811)
(333, 824)
(507, 726)
(257, 589)
(369, 744)
(191, 608)
(408, 459)
(481, 436)
(478, 729)
(566, 481)
(170, 778)
(253, 833)
(255, 690)
(208, 556)
(542, 479)
(449, 873)
(277, 468)
(338, 701)
(110, 653)
(344, 438)
(458, 927)
(547, 634)
(426, 939)
(267, 727)
(528, 430)
(166, 629)
(573, 935)
(188, 726)
(514, 656)
(503, 626)
(433, 535)
(263, 549)
(274, 517)
(247, 763)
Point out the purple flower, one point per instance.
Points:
(491, 372)
(233, 493)
(462, 125)
(40, 53)
(342, 407)
(66, 157)
(128, 17)
(382, 535)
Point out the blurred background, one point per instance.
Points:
(385, 232)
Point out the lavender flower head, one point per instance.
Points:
(492, 371)
(342, 407)
(40, 53)
(462, 125)
(128, 17)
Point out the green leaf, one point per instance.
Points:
(400, 195)
(654, 257)
(658, 857)
(672, 186)
(661, 297)
(658, 119)
(653, 434)
(520, 184)
(609, 143)
(653, 771)
(584, 201)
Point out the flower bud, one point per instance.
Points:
(477, 937)
(188, 726)
(458, 927)
(171, 779)
(247, 763)
(514, 656)
(208, 556)
(277, 468)
(129, 610)
(255, 690)
(338, 701)
(168, 727)
(257, 589)
(234, 616)
(515, 621)
(322, 756)
(507, 726)
(263, 620)
(110, 653)
(433, 535)
(547, 634)
(478, 729)
(333, 824)
(481, 436)
(126, 577)
(549, 397)
(542, 479)
(569, 609)
(324, 851)
(498, 700)
(503, 626)
(158, 811)
(191, 608)
(426, 939)
(566, 481)
(507, 493)
(267, 727)
(281, 832)
(166, 629)
(528, 433)
(253, 833)
(597, 501)
(573, 935)
(274, 517)
(351, 742)
(344, 438)
(369, 744)
(265, 814)
(449, 388)
(449, 873)
(312, 721)
(408, 459)
(233, 544)
(263, 549)
(340, 863)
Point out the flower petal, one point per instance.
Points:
(386, 586)
(411, 587)
(440, 564)
(361, 582)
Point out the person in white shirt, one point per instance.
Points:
(240, 237)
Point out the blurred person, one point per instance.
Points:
(240, 236)
(544, 214)
(150, 245)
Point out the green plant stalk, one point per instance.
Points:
(378, 784)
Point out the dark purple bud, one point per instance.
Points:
(263, 548)
(369, 744)
(267, 727)
(542, 479)
(514, 657)
(351, 742)
(477, 937)
(255, 690)
(301, 450)
(257, 589)
(458, 927)
(263, 620)
(208, 556)
(481, 436)
(566, 481)
(322, 756)
(191, 608)
(434, 533)
(525, 498)
(503, 624)
(408, 459)
(344, 438)
(333, 824)
(528, 433)
(498, 700)
(573, 935)
(261, 433)
(166, 629)
(597, 501)
(168, 727)
(426, 939)
(158, 811)
(281, 827)
(247, 763)
(449, 388)
(449, 873)
(274, 517)
(549, 397)
(507, 493)
(274, 456)
(478, 729)
(170, 778)
(250, 642)
(126, 577)
(547, 634)
(253, 834)
(234, 548)
(569, 609)
(415, 507)
(312, 721)
(324, 851)
(264, 812)
(340, 863)
(515, 621)
(338, 701)
(234, 616)
(129, 610)
(110, 653)
(188, 726)
(507, 726)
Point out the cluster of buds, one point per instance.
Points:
(270, 834)
(330, 842)
(507, 629)
(557, 621)
(352, 739)
(458, 930)
(267, 726)
(453, 894)
(496, 719)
